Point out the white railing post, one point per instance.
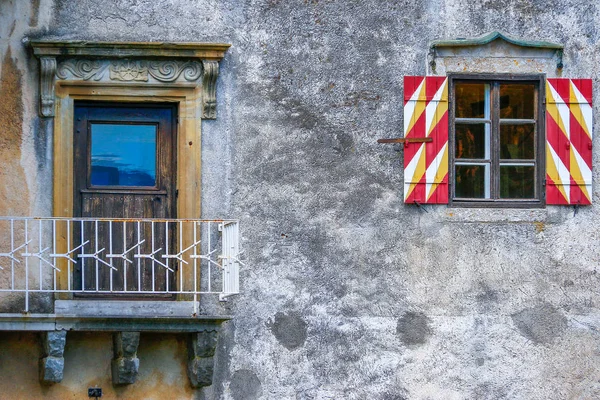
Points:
(229, 258)
(26, 269)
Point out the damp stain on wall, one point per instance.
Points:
(13, 188)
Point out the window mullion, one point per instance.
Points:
(495, 141)
(538, 145)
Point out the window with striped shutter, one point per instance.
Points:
(568, 135)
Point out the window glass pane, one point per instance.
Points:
(472, 181)
(517, 182)
(472, 100)
(472, 141)
(517, 142)
(517, 100)
(123, 155)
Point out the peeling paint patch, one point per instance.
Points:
(245, 385)
(413, 328)
(13, 190)
(540, 324)
(289, 329)
(540, 226)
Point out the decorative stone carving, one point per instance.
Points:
(169, 71)
(209, 88)
(125, 364)
(201, 350)
(128, 71)
(47, 73)
(84, 69)
(139, 63)
(52, 364)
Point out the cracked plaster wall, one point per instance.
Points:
(347, 292)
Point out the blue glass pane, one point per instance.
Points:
(123, 155)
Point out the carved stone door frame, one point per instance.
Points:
(183, 73)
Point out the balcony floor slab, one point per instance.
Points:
(51, 322)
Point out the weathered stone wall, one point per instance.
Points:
(347, 293)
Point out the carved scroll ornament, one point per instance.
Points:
(169, 71)
(84, 69)
(129, 70)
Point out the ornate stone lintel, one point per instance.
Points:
(209, 88)
(201, 350)
(47, 78)
(125, 364)
(52, 364)
(494, 53)
(129, 62)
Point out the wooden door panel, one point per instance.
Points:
(120, 201)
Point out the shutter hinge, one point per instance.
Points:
(176, 193)
(544, 182)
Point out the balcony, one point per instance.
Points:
(124, 276)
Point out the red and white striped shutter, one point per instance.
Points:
(426, 115)
(569, 141)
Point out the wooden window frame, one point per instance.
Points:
(187, 142)
(539, 201)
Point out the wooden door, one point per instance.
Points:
(124, 167)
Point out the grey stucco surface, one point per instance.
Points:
(347, 293)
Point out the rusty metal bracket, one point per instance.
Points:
(420, 206)
(406, 141)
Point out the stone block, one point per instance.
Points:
(54, 343)
(201, 349)
(200, 371)
(51, 369)
(125, 364)
(126, 344)
(202, 344)
(52, 363)
(125, 370)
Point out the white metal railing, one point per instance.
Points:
(119, 257)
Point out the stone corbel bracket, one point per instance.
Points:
(201, 351)
(125, 363)
(47, 78)
(132, 63)
(209, 88)
(52, 364)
